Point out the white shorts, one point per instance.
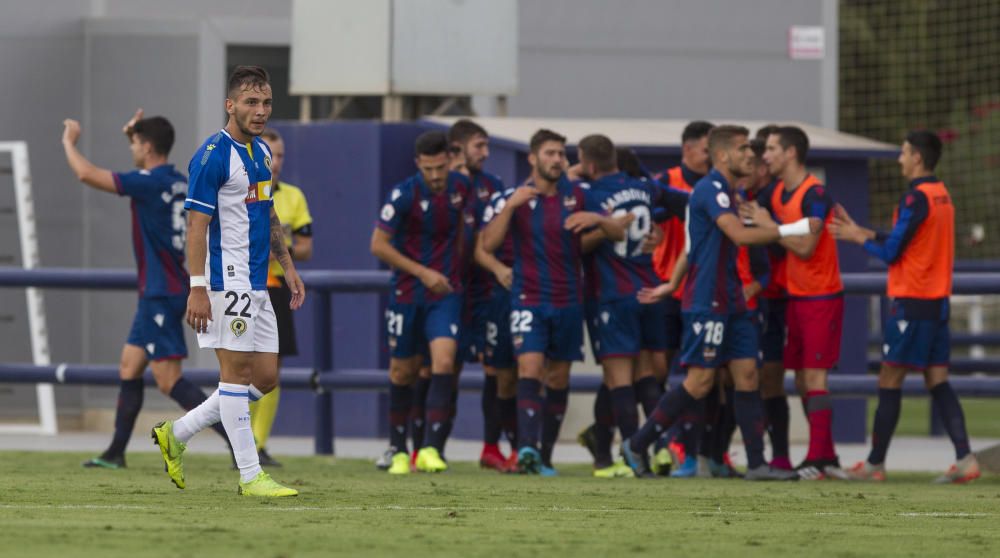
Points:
(241, 321)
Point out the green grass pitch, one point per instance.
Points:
(50, 506)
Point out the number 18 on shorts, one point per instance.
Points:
(241, 321)
(712, 340)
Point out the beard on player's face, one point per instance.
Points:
(250, 123)
(250, 110)
(551, 172)
(734, 164)
(476, 151)
(473, 164)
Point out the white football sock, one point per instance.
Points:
(234, 408)
(198, 419)
(204, 416)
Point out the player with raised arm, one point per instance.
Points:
(717, 327)
(157, 192)
(545, 219)
(815, 312)
(232, 231)
(420, 234)
(920, 253)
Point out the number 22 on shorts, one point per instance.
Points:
(520, 321)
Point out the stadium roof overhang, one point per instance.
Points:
(650, 136)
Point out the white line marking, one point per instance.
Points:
(395, 507)
(942, 514)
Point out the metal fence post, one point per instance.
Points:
(323, 363)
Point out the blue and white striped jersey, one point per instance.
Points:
(231, 181)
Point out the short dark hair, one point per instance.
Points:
(721, 137)
(270, 134)
(793, 136)
(764, 131)
(928, 145)
(430, 143)
(629, 162)
(757, 146)
(158, 131)
(463, 130)
(696, 130)
(243, 76)
(600, 150)
(544, 135)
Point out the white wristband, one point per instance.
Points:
(798, 228)
(198, 281)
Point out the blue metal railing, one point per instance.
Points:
(367, 379)
(323, 379)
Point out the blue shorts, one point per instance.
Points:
(498, 349)
(626, 326)
(158, 327)
(712, 340)
(915, 343)
(674, 323)
(411, 327)
(472, 341)
(555, 332)
(590, 310)
(757, 317)
(772, 339)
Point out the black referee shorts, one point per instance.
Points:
(281, 297)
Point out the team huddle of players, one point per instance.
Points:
(727, 262)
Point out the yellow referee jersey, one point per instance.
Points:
(293, 211)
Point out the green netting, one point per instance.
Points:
(929, 64)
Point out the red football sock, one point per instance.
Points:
(820, 426)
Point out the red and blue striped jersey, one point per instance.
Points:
(713, 285)
(546, 256)
(158, 228)
(430, 229)
(482, 284)
(616, 270)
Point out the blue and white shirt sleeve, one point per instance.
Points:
(397, 205)
(208, 174)
(496, 204)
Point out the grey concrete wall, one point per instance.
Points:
(97, 61)
(665, 59)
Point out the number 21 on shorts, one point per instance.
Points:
(395, 323)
